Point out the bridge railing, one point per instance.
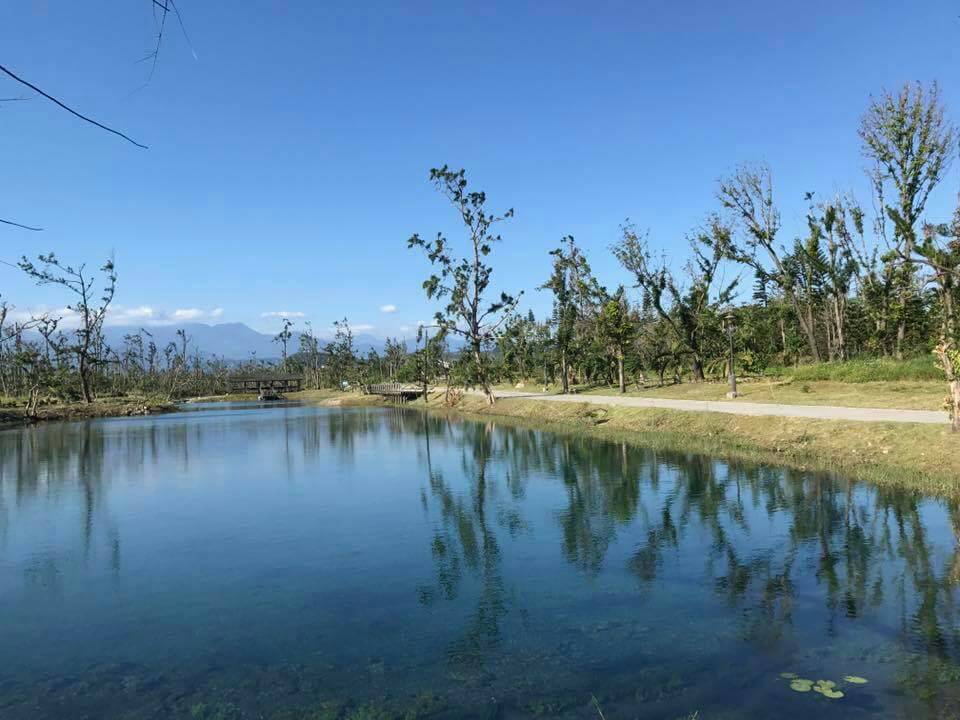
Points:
(393, 389)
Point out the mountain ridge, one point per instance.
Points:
(232, 341)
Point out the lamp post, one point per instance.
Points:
(729, 327)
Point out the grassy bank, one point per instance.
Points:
(904, 395)
(915, 384)
(916, 457)
(897, 394)
(922, 368)
(107, 407)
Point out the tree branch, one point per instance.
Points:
(69, 109)
(19, 225)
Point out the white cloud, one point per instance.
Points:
(361, 328)
(388, 308)
(120, 315)
(142, 312)
(283, 314)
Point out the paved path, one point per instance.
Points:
(735, 407)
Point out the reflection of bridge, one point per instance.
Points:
(264, 384)
(395, 390)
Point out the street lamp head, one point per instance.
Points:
(729, 322)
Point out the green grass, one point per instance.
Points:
(861, 371)
(903, 395)
(915, 384)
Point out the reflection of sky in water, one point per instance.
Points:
(265, 560)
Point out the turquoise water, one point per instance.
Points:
(239, 561)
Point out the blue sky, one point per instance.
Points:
(288, 160)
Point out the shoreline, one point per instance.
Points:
(917, 458)
(13, 418)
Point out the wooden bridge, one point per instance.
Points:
(265, 384)
(395, 390)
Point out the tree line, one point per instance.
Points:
(855, 284)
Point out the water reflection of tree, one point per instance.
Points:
(47, 463)
(465, 541)
(869, 547)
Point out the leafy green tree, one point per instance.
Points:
(283, 338)
(310, 350)
(341, 354)
(618, 330)
(464, 281)
(394, 354)
(939, 252)
(948, 358)
(689, 309)
(748, 193)
(576, 300)
(516, 345)
(564, 311)
(911, 144)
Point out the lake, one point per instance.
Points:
(291, 562)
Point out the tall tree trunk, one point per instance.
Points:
(620, 375)
(949, 317)
(783, 339)
(955, 397)
(807, 326)
(840, 313)
(696, 368)
(950, 363)
(84, 379)
(828, 323)
(482, 374)
(901, 334)
(564, 379)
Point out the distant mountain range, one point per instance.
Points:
(232, 341)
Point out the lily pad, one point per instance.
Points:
(801, 685)
(788, 676)
(855, 679)
(827, 689)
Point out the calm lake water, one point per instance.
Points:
(236, 561)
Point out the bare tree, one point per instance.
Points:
(90, 311)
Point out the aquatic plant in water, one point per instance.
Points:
(801, 685)
(827, 688)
